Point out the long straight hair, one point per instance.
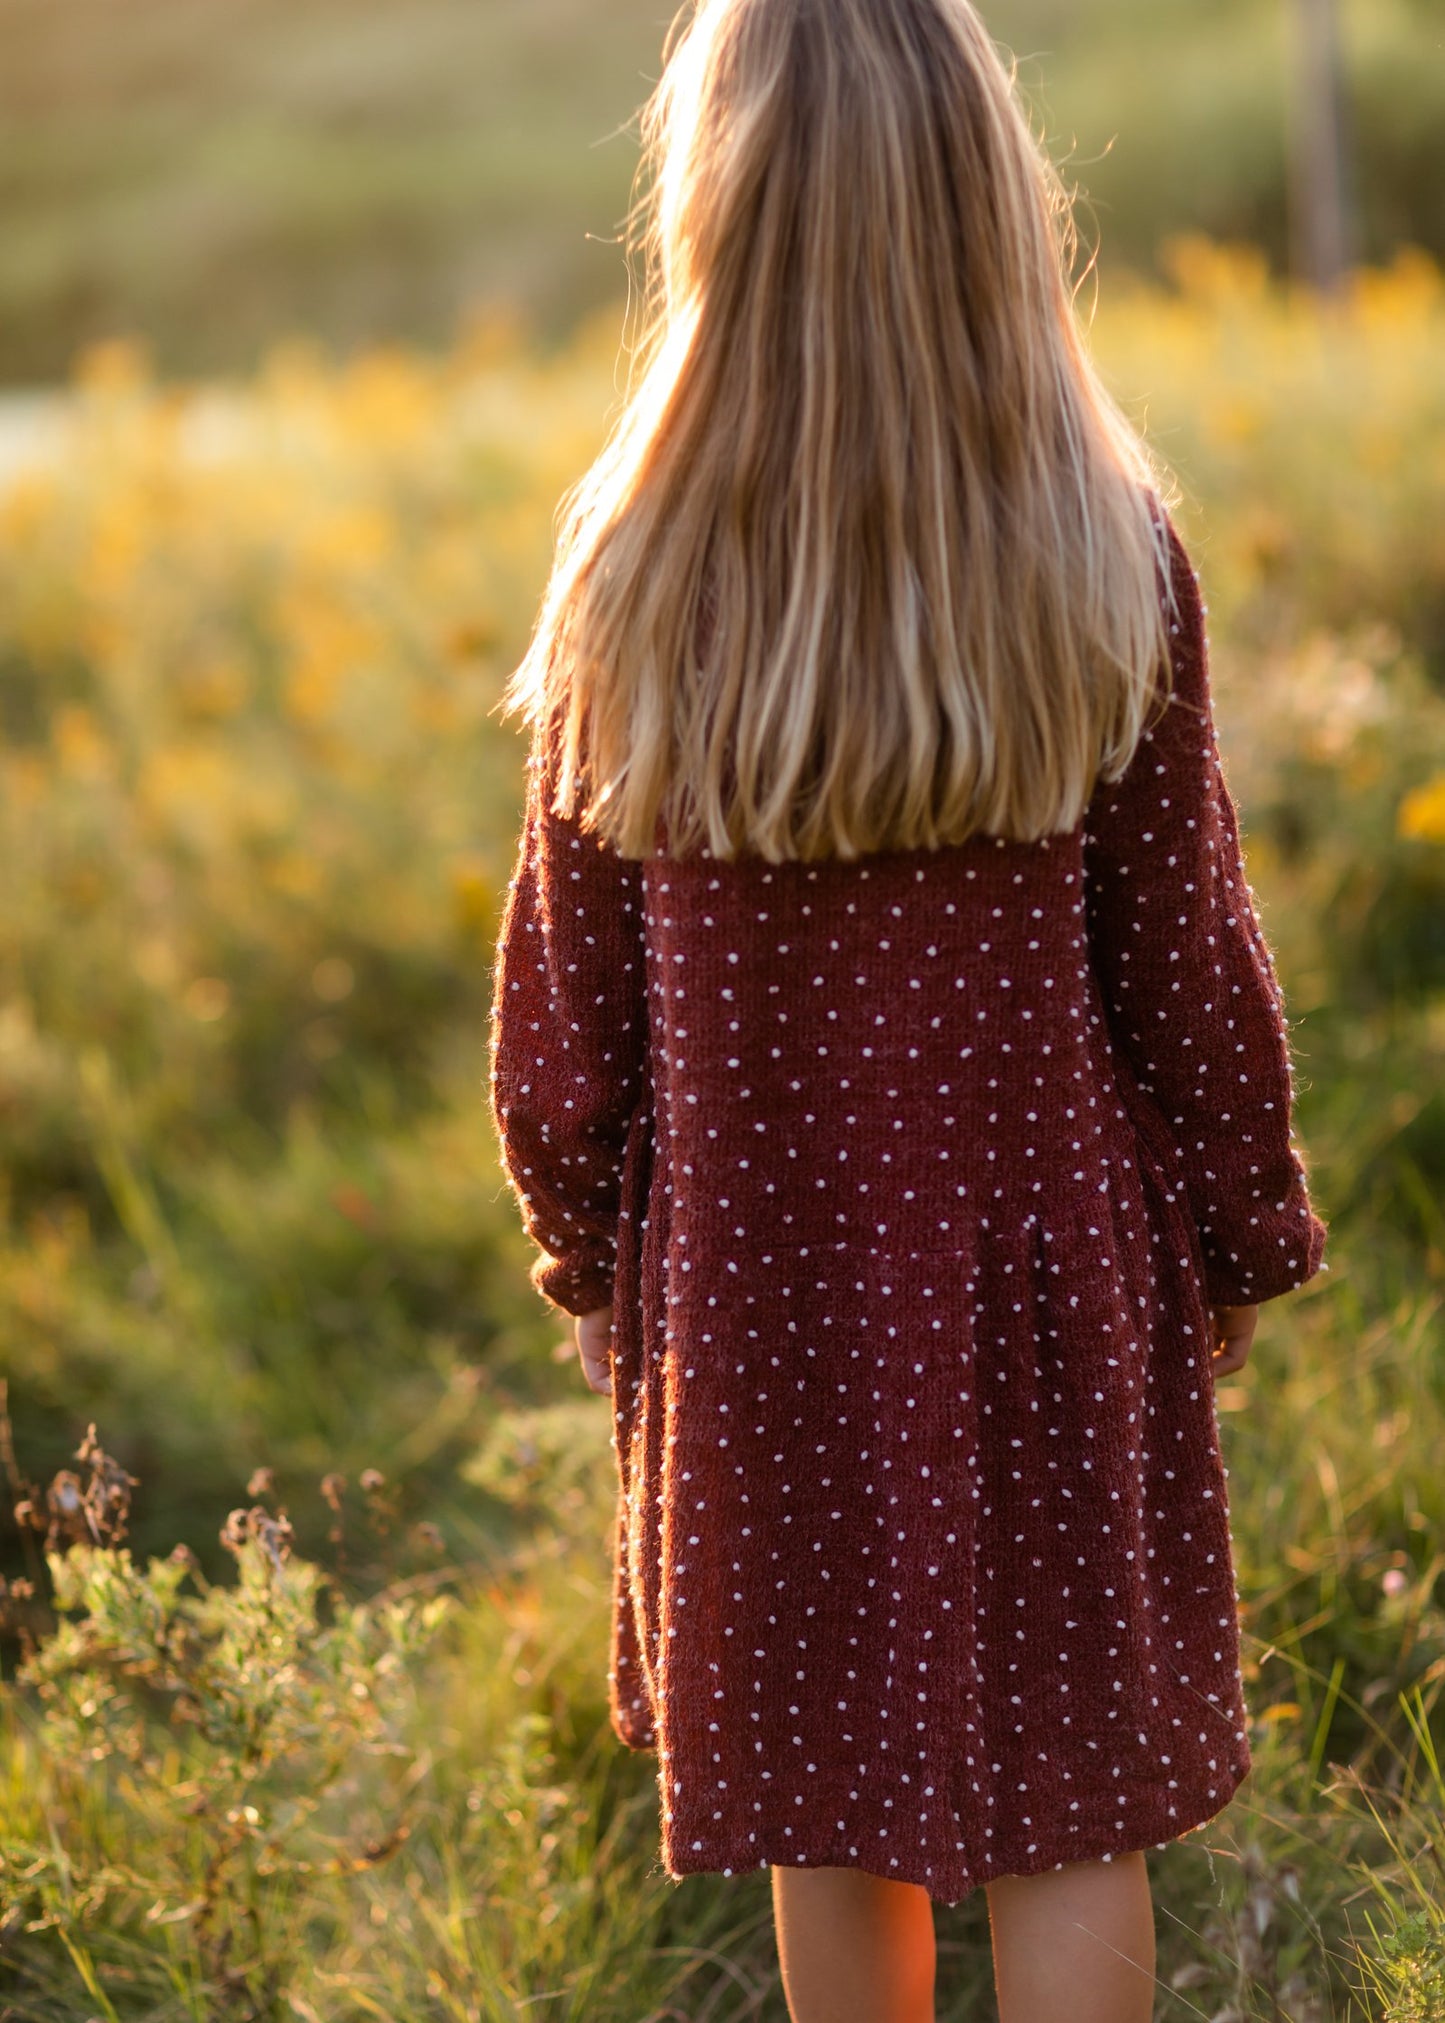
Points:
(870, 560)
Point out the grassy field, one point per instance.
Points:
(256, 817)
(215, 175)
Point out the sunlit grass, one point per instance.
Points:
(257, 816)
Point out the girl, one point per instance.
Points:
(887, 1059)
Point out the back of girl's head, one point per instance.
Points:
(871, 560)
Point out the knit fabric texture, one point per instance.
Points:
(910, 1180)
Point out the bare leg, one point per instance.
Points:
(854, 1947)
(1075, 1944)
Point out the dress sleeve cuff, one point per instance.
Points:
(579, 1283)
(1249, 1278)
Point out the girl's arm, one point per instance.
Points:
(568, 1045)
(1189, 984)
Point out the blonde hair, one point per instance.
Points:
(871, 559)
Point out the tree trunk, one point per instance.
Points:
(1320, 224)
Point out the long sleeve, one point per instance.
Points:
(1189, 985)
(568, 1045)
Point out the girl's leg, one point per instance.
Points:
(1074, 1944)
(854, 1947)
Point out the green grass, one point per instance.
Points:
(213, 176)
(257, 818)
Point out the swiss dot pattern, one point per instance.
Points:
(911, 1180)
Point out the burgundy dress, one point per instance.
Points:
(911, 1180)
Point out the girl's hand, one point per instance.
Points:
(1233, 1337)
(594, 1346)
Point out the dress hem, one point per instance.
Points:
(951, 1887)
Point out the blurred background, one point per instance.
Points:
(214, 172)
(309, 312)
